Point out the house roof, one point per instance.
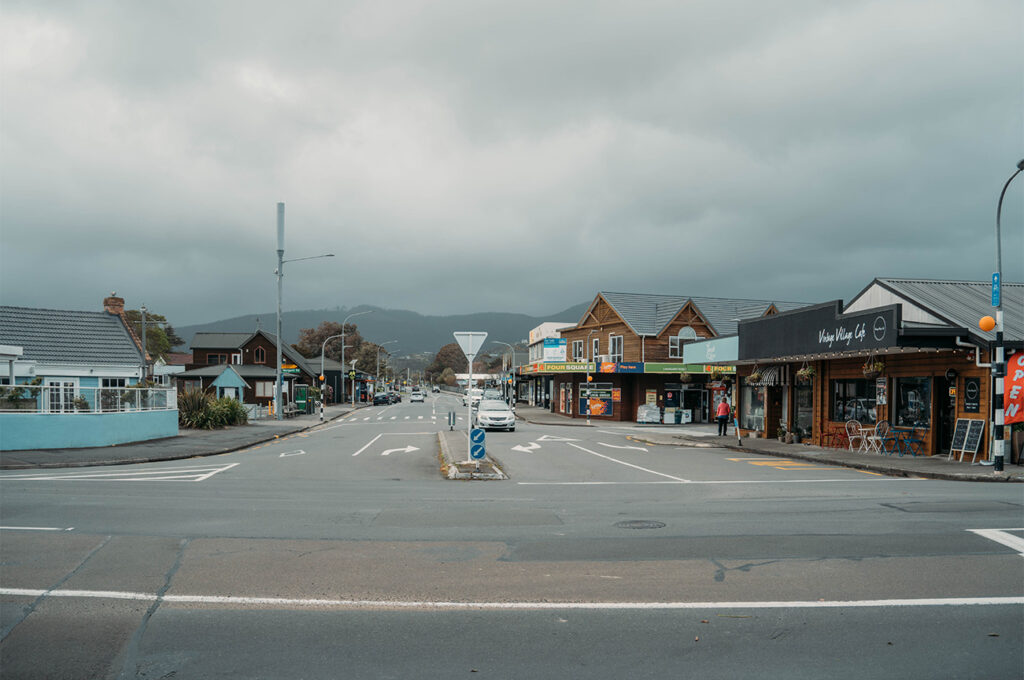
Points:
(246, 371)
(649, 314)
(961, 303)
(68, 337)
(219, 340)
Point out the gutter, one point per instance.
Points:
(977, 352)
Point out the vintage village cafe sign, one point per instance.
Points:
(819, 329)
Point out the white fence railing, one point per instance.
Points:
(69, 398)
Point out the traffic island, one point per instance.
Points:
(453, 447)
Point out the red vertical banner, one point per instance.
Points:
(1013, 389)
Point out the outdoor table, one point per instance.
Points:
(866, 432)
(905, 440)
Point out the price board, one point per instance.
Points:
(967, 437)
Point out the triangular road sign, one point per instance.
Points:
(470, 342)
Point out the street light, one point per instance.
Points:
(999, 365)
(511, 350)
(366, 311)
(376, 376)
(280, 275)
(323, 382)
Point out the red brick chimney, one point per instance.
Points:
(114, 304)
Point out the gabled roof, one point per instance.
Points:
(68, 337)
(649, 314)
(961, 303)
(219, 340)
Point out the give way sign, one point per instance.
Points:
(470, 342)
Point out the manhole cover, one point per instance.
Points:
(640, 524)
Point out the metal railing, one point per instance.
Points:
(69, 398)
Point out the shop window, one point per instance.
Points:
(913, 402)
(804, 397)
(577, 350)
(853, 400)
(751, 412)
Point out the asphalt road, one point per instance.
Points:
(342, 553)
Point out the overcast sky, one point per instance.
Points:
(502, 156)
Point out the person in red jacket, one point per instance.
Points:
(722, 414)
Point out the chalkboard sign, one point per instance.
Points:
(960, 434)
(974, 436)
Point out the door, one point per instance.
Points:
(945, 418)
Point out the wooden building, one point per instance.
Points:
(905, 351)
(632, 346)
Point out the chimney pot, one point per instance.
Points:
(114, 305)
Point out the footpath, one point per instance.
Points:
(188, 444)
(706, 436)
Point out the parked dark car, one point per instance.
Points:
(396, 398)
(381, 398)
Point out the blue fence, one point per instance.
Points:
(26, 431)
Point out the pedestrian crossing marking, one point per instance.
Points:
(191, 473)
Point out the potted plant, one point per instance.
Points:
(685, 378)
(797, 435)
(755, 376)
(873, 368)
(716, 375)
(781, 433)
(805, 374)
(80, 403)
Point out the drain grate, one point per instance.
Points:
(640, 524)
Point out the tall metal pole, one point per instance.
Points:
(145, 364)
(999, 365)
(280, 275)
(588, 373)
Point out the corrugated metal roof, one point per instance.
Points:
(963, 303)
(68, 337)
(649, 314)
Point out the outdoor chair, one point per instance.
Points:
(883, 433)
(853, 432)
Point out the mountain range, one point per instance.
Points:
(416, 333)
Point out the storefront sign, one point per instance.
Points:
(554, 349)
(655, 367)
(819, 329)
(562, 367)
(652, 398)
(1013, 389)
(881, 387)
(705, 351)
(599, 396)
(616, 394)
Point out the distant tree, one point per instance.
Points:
(366, 356)
(311, 340)
(160, 336)
(449, 356)
(448, 377)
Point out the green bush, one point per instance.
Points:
(198, 410)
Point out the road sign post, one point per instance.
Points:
(470, 342)
(476, 443)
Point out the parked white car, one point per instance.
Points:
(493, 414)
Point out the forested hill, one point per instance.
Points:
(414, 332)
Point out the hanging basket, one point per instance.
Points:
(871, 374)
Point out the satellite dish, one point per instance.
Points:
(687, 333)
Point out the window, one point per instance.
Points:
(192, 384)
(751, 412)
(260, 355)
(913, 402)
(615, 347)
(853, 400)
(595, 348)
(212, 359)
(60, 395)
(264, 388)
(804, 397)
(113, 382)
(675, 347)
(577, 350)
(236, 358)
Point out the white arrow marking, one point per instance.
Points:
(527, 448)
(407, 449)
(299, 452)
(613, 446)
(549, 438)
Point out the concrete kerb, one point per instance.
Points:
(453, 467)
(178, 456)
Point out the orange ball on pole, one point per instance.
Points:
(986, 323)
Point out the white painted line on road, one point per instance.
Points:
(526, 448)
(36, 528)
(1003, 536)
(419, 417)
(366, 418)
(393, 417)
(443, 604)
(621, 462)
(368, 445)
(613, 446)
(730, 481)
(188, 474)
(404, 449)
(298, 452)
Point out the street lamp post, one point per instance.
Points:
(588, 371)
(323, 380)
(145, 362)
(999, 365)
(366, 311)
(376, 376)
(280, 276)
(512, 357)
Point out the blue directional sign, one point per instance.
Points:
(996, 292)
(476, 435)
(476, 451)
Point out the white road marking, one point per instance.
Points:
(442, 604)
(1003, 536)
(419, 417)
(407, 449)
(368, 445)
(549, 438)
(407, 417)
(393, 417)
(183, 474)
(36, 528)
(732, 481)
(613, 446)
(621, 462)
(366, 418)
(532, 446)
(298, 452)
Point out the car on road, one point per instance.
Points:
(435, 389)
(416, 396)
(396, 397)
(494, 414)
(474, 394)
(492, 393)
(381, 398)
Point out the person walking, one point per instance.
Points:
(722, 414)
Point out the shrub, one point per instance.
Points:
(193, 409)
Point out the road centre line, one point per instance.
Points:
(728, 481)
(449, 605)
(620, 462)
(36, 528)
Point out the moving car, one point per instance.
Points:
(494, 414)
(396, 398)
(381, 398)
(474, 394)
(492, 393)
(435, 389)
(416, 396)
